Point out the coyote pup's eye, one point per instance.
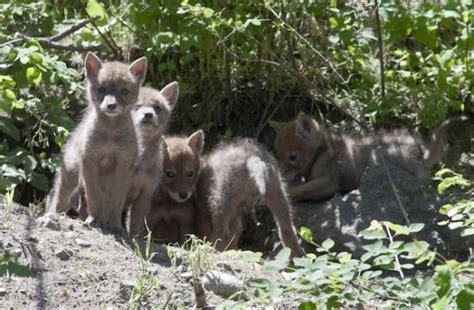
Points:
(292, 157)
(190, 173)
(124, 91)
(169, 174)
(101, 90)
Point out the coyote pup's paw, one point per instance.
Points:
(91, 222)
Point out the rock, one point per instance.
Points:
(344, 216)
(222, 284)
(181, 269)
(70, 235)
(224, 265)
(187, 275)
(126, 287)
(49, 220)
(3, 291)
(83, 243)
(63, 254)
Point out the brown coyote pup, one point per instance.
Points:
(233, 178)
(102, 150)
(330, 162)
(151, 116)
(172, 214)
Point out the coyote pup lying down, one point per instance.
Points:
(101, 152)
(151, 115)
(233, 178)
(172, 214)
(333, 163)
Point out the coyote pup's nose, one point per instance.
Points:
(111, 106)
(183, 195)
(148, 115)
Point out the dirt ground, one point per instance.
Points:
(75, 266)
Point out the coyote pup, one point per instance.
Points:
(100, 153)
(333, 163)
(233, 178)
(151, 116)
(172, 214)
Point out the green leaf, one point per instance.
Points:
(34, 75)
(94, 8)
(306, 234)
(399, 229)
(467, 232)
(307, 305)
(40, 181)
(465, 298)
(327, 244)
(7, 126)
(251, 257)
(447, 55)
(374, 231)
(416, 227)
(280, 261)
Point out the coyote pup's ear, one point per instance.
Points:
(305, 125)
(196, 141)
(138, 69)
(92, 64)
(277, 126)
(171, 93)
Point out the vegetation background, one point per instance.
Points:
(239, 64)
(350, 63)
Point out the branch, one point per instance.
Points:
(110, 43)
(74, 28)
(399, 267)
(380, 45)
(51, 42)
(47, 43)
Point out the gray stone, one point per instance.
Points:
(187, 275)
(224, 265)
(126, 287)
(3, 291)
(50, 221)
(63, 254)
(222, 284)
(83, 243)
(342, 217)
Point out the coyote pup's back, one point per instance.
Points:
(235, 176)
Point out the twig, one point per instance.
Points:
(382, 93)
(109, 43)
(262, 122)
(73, 28)
(167, 301)
(51, 42)
(47, 43)
(320, 55)
(381, 53)
(399, 267)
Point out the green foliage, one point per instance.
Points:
(9, 266)
(460, 214)
(234, 61)
(337, 280)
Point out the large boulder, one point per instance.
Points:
(344, 216)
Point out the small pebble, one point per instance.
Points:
(49, 221)
(187, 275)
(83, 243)
(3, 291)
(221, 283)
(63, 254)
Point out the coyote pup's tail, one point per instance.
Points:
(435, 149)
(258, 171)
